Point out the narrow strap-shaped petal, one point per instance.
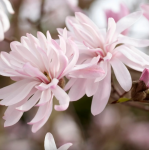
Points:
(8, 89)
(77, 91)
(133, 42)
(20, 96)
(69, 84)
(34, 72)
(132, 55)
(101, 97)
(13, 118)
(127, 21)
(111, 30)
(65, 146)
(41, 113)
(122, 74)
(42, 40)
(39, 124)
(45, 97)
(83, 18)
(12, 108)
(49, 143)
(69, 21)
(51, 85)
(130, 63)
(63, 61)
(73, 62)
(30, 103)
(91, 87)
(62, 97)
(62, 44)
(90, 72)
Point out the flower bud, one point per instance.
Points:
(138, 91)
(145, 77)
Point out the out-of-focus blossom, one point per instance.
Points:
(73, 4)
(105, 119)
(145, 10)
(108, 49)
(38, 65)
(145, 76)
(4, 21)
(23, 144)
(117, 15)
(30, 10)
(137, 134)
(49, 143)
(60, 9)
(70, 131)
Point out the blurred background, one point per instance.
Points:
(118, 127)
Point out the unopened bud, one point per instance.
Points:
(145, 76)
(139, 91)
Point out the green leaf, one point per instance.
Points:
(121, 100)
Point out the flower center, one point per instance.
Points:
(47, 75)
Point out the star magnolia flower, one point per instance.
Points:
(109, 48)
(38, 65)
(117, 15)
(49, 143)
(4, 21)
(145, 10)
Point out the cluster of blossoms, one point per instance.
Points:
(83, 56)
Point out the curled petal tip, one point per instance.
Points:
(61, 107)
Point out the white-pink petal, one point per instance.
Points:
(49, 143)
(39, 124)
(65, 146)
(122, 74)
(62, 97)
(101, 97)
(77, 91)
(127, 21)
(91, 87)
(30, 103)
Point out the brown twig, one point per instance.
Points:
(130, 103)
(7, 40)
(120, 95)
(135, 105)
(114, 90)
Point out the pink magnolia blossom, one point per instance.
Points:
(117, 15)
(109, 49)
(4, 21)
(38, 65)
(49, 143)
(145, 76)
(145, 10)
